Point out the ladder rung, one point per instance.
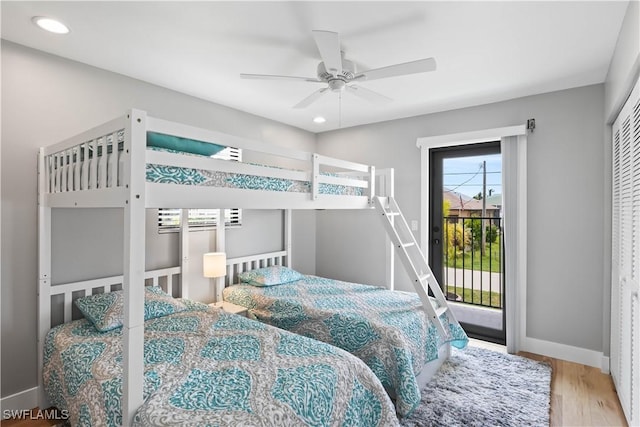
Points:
(415, 263)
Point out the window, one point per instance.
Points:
(203, 219)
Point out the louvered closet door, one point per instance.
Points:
(625, 309)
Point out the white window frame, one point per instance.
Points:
(203, 219)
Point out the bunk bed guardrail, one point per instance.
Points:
(96, 161)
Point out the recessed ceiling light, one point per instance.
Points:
(319, 119)
(50, 24)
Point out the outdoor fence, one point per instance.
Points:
(473, 255)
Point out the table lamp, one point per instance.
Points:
(214, 265)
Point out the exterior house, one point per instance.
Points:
(463, 206)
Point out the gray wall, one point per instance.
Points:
(565, 203)
(45, 99)
(625, 63)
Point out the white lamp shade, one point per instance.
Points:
(214, 264)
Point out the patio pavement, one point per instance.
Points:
(482, 280)
(476, 315)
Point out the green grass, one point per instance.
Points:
(489, 299)
(474, 260)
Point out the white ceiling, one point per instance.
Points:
(485, 51)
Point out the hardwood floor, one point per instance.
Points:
(580, 396)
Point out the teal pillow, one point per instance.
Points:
(269, 276)
(176, 143)
(195, 305)
(103, 310)
(158, 303)
(106, 311)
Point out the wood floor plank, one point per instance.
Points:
(581, 395)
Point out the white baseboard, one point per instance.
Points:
(580, 355)
(605, 367)
(27, 399)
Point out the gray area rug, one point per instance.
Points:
(478, 387)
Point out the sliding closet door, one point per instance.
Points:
(625, 308)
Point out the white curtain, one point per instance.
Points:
(514, 149)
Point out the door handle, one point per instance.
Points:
(436, 241)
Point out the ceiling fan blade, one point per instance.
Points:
(413, 67)
(311, 98)
(368, 94)
(276, 77)
(328, 44)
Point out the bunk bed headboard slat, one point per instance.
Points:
(93, 151)
(84, 180)
(239, 265)
(69, 292)
(102, 163)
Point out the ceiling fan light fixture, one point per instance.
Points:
(50, 24)
(339, 73)
(319, 120)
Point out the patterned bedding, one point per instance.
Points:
(210, 368)
(188, 176)
(388, 330)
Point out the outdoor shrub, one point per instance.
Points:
(492, 234)
(474, 226)
(457, 239)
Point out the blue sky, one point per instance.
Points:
(464, 174)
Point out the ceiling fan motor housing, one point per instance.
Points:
(337, 82)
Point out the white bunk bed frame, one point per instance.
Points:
(68, 177)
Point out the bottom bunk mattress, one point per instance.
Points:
(204, 367)
(388, 330)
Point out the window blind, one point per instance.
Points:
(203, 219)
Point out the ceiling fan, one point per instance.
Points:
(341, 75)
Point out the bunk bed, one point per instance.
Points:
(110, 166)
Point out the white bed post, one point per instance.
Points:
(287, 237)
(221, 246)
(372, 184)
(389, 186)
(44, 272)
(315, 175)
(184, 253)
(134, 260)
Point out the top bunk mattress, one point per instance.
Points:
(188, 176)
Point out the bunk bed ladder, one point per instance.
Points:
(414, 261)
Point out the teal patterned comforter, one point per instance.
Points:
(388, 330)
(189, 176)
(213, 369)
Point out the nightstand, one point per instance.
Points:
(231, 308)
